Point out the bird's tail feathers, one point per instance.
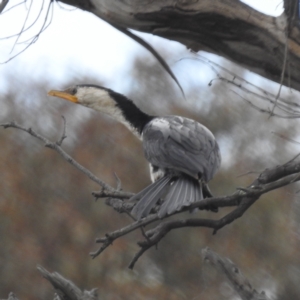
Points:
(183, 192)
(149, 197)
(176, 192)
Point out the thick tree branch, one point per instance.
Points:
(235, 277)
(242, 199)
(228, 28)
(152, 51)
(271, 175)
(65, 288)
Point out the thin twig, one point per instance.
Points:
(63, 136)
(36, 37)
(235, 277)
(285, 138)
(268, 180)
(283, 104)
(137, 256)
(27, 28)
(247, 173)
(267, 111)
(119, 183)
(282, 71)
(24, 23)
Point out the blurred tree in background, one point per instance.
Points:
(48, 215)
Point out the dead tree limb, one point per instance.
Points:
(228, 28)
(57, 147)
(66, 289)
(11, 296)
(235, 277)
(241, 200)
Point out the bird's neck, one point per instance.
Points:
(129, 114)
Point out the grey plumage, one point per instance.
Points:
(186, 156)
(149, 196)
(182, 153)
(183, 192)
(181, 144)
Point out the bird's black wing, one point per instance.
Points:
(181, 144)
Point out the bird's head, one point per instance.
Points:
(92, 96)
(107, 101)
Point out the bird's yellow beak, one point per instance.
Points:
(64, 95)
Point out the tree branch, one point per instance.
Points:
(57, 147)
(227, 28)
(65, 288)
(242, 199)
(235, 277)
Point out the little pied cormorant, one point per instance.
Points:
(183, 154)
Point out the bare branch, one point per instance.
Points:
(258, 45)
(138, 255)
(285, 58)
(27, 28)
(109, 238)
(156, 234)
(65, 288)
(119, 183)
(14, 6)
(290, 108)
(32, 40)
(272, 175)
(235, 277)
(285, 138)
(63, 136)
(11, 296)
(107, 194)
(243, 199)
(268, 111)
(55, 146)
(22, 29)
(152, 51)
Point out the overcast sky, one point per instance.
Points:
(76, 42)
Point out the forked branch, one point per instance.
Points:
(57, 147)
(235, 277)
(66, 289)
(242, 199)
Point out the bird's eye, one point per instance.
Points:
(74, 90)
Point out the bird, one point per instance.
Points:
(183, 154)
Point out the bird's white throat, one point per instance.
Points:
(101, 100)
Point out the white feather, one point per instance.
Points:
(100, 100)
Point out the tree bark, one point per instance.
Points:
(235, 277)
(229, 28)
